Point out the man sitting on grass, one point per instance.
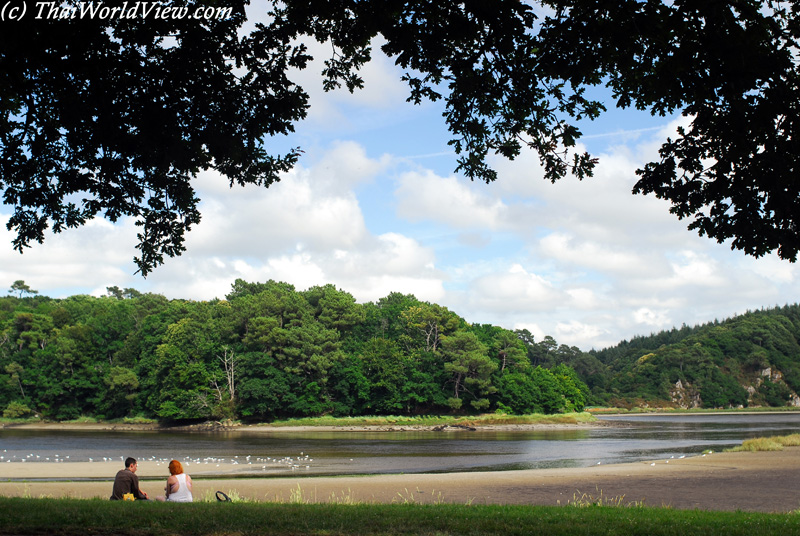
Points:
(126, 482)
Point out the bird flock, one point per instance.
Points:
(302, 461)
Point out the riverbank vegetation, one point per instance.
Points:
(266, 352)
(420, 421)
(773, 443)
(750, 360)
(73, 516)
(496, 419)
(269, 352)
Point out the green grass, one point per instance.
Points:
(377, 421)
(438, 420)
(19, 516)
(759, 444)
(639, 410)
(81, 420)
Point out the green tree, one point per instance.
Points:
(470, 370)
(16, 410)
(509, 351)
(571, 387)
(15, 370)
(334, 308)
(107, 116)
(122, 390)
(265, 391)
(386, 369)
(69, 380)
(181, 375)
(548, 397)
(20, 286)
(426, 325)
(774, 393)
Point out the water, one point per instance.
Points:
(630, 439)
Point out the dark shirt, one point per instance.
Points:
(126, 481)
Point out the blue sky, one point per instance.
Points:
(374, 207)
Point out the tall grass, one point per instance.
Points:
(596, 410)
(439, 420)
(758, 444)
(68, 517)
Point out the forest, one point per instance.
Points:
(752, 359)
(266, 351)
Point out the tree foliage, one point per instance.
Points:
(113, 116)
(750, 359)
(268, 351)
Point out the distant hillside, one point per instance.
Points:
(748, 360)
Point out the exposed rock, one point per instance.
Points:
(685, 397)
(451, 427)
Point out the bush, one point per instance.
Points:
(17, 410)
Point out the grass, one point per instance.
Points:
(81, 420)
(68, 517)
(759, 444)
(439, 420)
(345, 422)
(636, 410)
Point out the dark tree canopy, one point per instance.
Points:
(113, 117)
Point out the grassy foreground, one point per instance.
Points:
(24, 516)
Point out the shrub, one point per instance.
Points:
(16, 410)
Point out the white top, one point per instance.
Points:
(183, 494)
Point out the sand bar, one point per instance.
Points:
(761, 481)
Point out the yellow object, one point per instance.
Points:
(128, 497)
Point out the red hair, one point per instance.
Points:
(175, 467)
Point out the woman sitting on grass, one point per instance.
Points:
(179, 484)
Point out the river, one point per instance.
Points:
(630, 438)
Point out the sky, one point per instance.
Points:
(374, 207)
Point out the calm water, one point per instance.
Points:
(633, 438)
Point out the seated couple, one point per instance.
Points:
(178, 489)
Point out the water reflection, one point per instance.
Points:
(633, 438)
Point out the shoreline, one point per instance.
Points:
(267, 428)
(217, 426)
(748, 481)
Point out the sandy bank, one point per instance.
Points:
(763, 481)
(269, 429)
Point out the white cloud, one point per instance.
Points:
(576, 333)
(583, 298)
(695, 269)
(453, 201)
(537, 332)
(586, 262)
(515, 291)
(74, 258)
(596, 256)
(650, 317)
